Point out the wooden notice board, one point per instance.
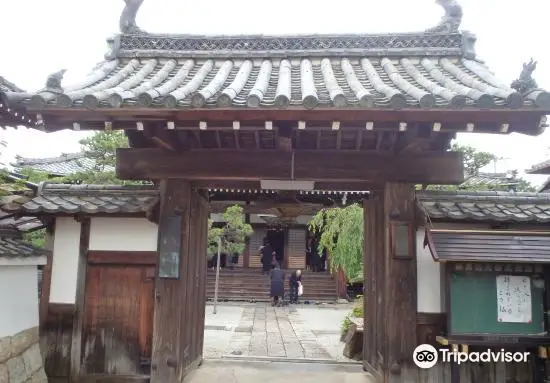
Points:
(496, 303)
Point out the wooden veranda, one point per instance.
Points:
(349, 112)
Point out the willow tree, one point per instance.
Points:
(233, 233)
(341, 233)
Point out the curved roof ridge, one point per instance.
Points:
(22, 161)
(58, 188)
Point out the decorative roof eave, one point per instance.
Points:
(13, 115)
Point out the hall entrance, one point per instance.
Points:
(276, 238)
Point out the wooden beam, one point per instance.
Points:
(256, 165)
(162, 138)
(284, 136)
(255, 185)
(100, 257)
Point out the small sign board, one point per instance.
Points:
(169, 247)
(514, 302)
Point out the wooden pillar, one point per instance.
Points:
(246, 254)
(390, 284)
(180, 289)
(76, 343)
(46, 277)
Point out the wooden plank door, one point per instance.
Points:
(118, 320)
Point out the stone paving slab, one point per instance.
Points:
(279, 333)
(253, 372)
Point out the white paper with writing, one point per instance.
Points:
(514, 299)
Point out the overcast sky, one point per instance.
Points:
(41, 37)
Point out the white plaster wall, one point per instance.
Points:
(123, 234)
(65, 260)
(18, 299)
(428, 277)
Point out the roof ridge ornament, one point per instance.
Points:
(128, 17)
(53, 83)
(451, 20)
(525, 83)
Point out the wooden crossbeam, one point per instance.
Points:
(317, 165)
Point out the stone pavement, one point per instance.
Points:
(276, 372)
(264, 332)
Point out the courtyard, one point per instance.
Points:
(264, 333)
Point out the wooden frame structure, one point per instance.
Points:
(349, 112)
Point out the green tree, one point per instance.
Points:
(341, 233)
(474, 159)
(100, 147)
(233, 233)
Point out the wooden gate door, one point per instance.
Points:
(118, 319)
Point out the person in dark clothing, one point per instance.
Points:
(294, 281)
(279, 258)
(277, 285)
(234, 260)
(267, 253)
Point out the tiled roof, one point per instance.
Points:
(486, 206)
(63, 165)
(12, 246)
(540, 168)
(6, 86)
(90, 199)
(361, 81)
(491, 180)
(472, 246)
(443, 205)
(435, 68)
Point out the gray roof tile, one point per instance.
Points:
(6, 86)
(540, 168)
(63, 165)
(12, 245)
(91, 199)
(383, 81)
(442, 205)
(486, 206)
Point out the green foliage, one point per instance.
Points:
(473, 159)
(358, 311)
(341, 233)
(101, 148)
(233, 234)
(36, 238)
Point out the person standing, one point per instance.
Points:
(294, 282)
(267, 254)
(277, 291)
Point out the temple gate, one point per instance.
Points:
(350, 112)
